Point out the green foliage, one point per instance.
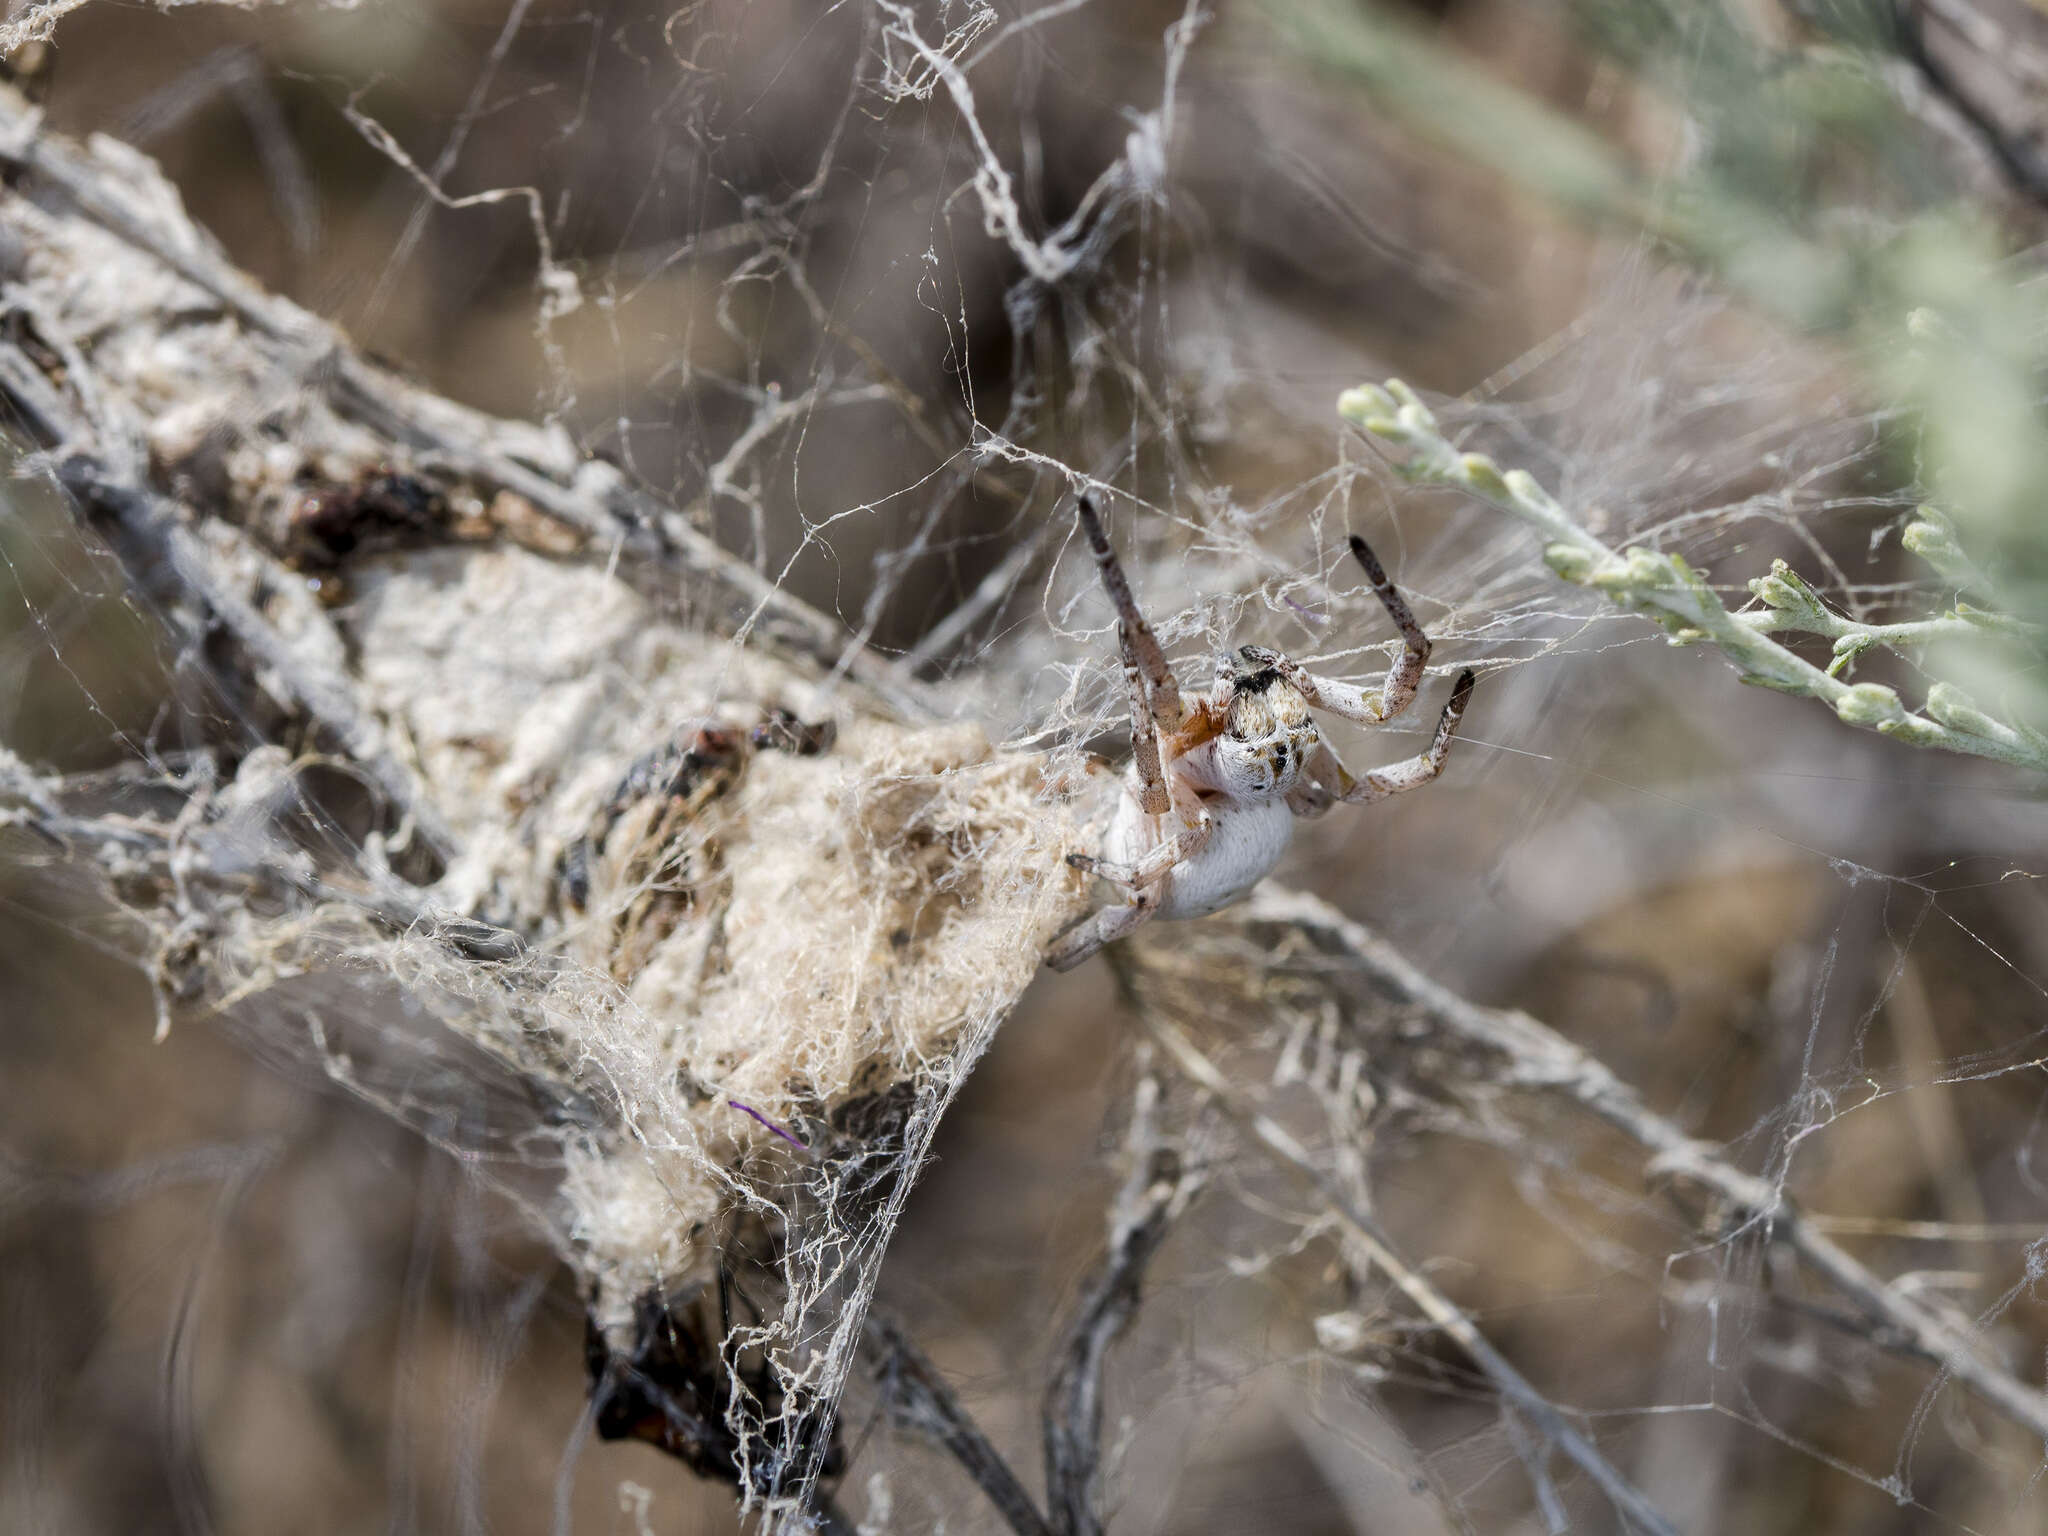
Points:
(1664, 589)
(1811, 190)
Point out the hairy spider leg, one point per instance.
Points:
(1412, 772)
(1145, 878)
(1141, 646)
(1152, 792)
(1153, 865)
(1099, 928)
(1391, 599)
(1396, 691)
(1404, 674)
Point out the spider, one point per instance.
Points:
(1216, 780)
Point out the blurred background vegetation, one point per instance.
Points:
(1736, 279)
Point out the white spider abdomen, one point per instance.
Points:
(1246, 841)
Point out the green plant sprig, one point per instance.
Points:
(1790, 604)
(1670, 593)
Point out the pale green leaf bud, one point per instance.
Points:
(1646, 569)
(1958, 711)
(1869, 704)
(1409, 401)
(1930, 541)
(1483, 475)
(1365, 402)
(1573, 563)
(1785, 590)
(1912, 730)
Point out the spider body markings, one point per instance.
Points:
(1215, 782)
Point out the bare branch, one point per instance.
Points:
(994, 589)
(538, 463)
(1514, 1388)
(1540, 1059)
(156, 529)
(185, 859)
(1159, 1188)
(919, 1398)
(2021, 160)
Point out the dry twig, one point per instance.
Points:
(919, 1398)
(1515, 1389)
(206, 428)
(1539, 1059)
(1158, 1190)
(539, 464)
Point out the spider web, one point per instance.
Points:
(866, 291)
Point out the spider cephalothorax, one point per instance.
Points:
(1268, 732)
(1215, 781)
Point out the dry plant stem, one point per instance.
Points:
(153, 533)
(1540, 1059)
(153, 526)
(2021, 160)
(1669, 592)
(589, 495)
(989, 594)
(994, 589)
(162, 851)
(1158, 1190)
(918, 1397)
(39, 810)
(1513, 1386)
(200, 422)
